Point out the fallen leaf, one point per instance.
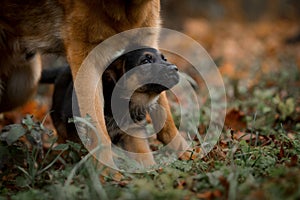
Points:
(38, 110)
(181, 184)
(281, 153)
(205, 195)
(294, 161)
(235, 120)
(210, 194)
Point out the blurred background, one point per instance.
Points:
(236, 31)
(247, 39)
(175, 13)
(252, 42)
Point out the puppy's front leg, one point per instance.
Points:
(167, 132)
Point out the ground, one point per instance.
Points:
(256, 156)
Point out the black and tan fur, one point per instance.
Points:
(71, 28)
(142, 101)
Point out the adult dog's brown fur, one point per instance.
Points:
(71, 28)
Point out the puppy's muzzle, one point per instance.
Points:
(156, 78)
(164, 77)
(168, 76)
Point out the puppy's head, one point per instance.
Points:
(143, 74)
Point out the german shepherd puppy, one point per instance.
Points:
(139, 89)
(71, 28)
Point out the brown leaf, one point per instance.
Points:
(228, 69)
(202, 129)
(123, 183)
(239, 135)
(235, 120)
(210, 194)
(181, 184)
(37, 109)
(281, 152)
(205, 195)
(294, 161)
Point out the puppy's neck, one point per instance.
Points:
(137, 112)
(139, 104)
(144, 99)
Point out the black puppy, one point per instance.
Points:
(131, 86)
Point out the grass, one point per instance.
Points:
(258, 162)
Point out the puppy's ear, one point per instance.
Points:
(109, 76)
(120, 66)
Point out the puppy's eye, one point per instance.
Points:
(148, 59)
(163, 58)
(145, 61)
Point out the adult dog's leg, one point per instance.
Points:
(20, 69)
(88, 24)
(167, 132)
(139, 148)
(86, 90)
(19, 85)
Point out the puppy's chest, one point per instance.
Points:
(119, 122)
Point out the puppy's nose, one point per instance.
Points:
(173, 67)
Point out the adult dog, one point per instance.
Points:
(71, 28)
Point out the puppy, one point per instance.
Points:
(138, 78)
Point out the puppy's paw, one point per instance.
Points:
(188, 155)
(111, 174)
